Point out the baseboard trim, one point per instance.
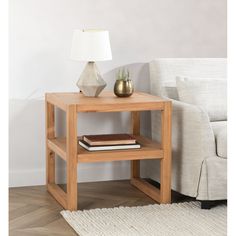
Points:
(86, 173)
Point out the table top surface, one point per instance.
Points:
(104, 100)
(105, 97)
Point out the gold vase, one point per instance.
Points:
(123, 88)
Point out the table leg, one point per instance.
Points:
(139, 183)
(135, 165)
(50, 133)
(165, 168)
(71, 149)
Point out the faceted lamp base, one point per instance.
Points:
(90, 82)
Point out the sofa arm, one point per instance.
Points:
(192, 132)
(192, 141)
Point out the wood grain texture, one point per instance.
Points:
(58, 145)
(149, 150)
(50, 134)
(71, 157)
(135, 119)
(165, 169)
(34, 212)
(147, 188)
(107, 102)
(58, 194)
(56, 100)
(69, 150)
(135, 126)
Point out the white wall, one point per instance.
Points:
(140, 30)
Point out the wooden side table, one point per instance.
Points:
(69, 150)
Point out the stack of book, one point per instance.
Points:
(108, 142)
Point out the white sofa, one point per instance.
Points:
(199, 157)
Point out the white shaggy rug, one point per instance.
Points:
(182, 219)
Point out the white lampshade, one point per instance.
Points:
(91, 45)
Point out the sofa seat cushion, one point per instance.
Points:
(220, 132)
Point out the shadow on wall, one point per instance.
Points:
(27, 135)
(139, 73)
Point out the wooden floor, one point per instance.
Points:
(33, 212)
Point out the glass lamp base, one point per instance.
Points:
(91, 82)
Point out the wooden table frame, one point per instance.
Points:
(68, 149)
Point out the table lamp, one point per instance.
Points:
(91, 46)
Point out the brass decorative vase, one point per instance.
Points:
(123, 88)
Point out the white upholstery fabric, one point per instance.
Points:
(197, 171)
(220, 132)
(163, 72)
(209, 94)
(171, 92)
(192, 141)
(213, 179)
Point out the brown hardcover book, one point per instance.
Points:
(109, 139)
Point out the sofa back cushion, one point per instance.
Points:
(208, 93)
(163, 72)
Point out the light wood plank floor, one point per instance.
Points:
(33, 211)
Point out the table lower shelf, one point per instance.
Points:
(149, 150)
